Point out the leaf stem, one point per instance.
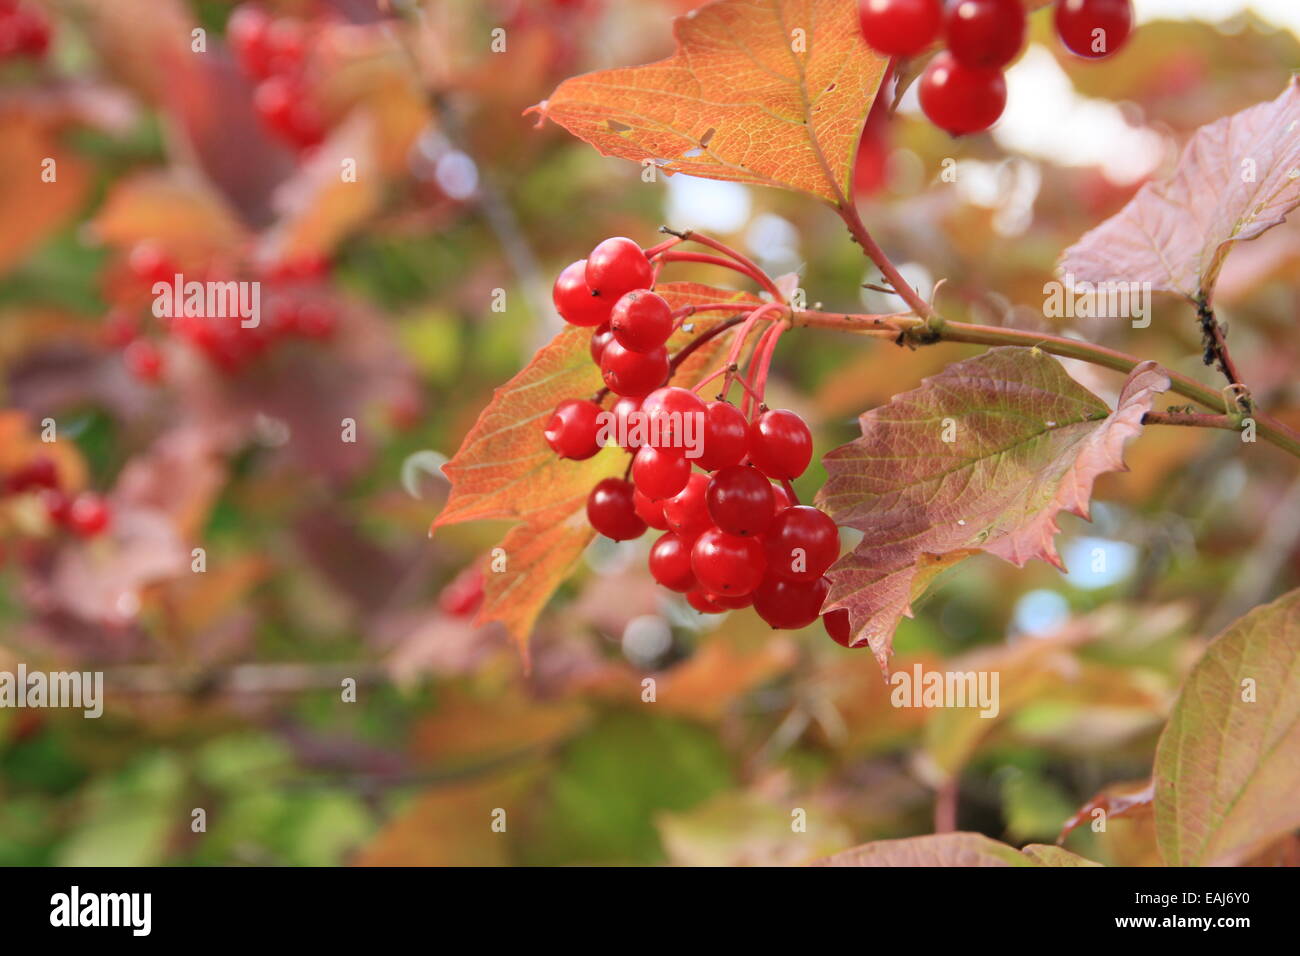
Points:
(848, 211)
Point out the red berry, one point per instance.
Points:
(674, 418)
(1093, 28)
(985, 34)
(790, 605)
(88, 515)
(726, 436)
(651, 512)
(727, 564)
(285, 43)
(686, 512)
(780, 499)
(150, 264)
(31, 31)
(641, 320)
(961, 100)
(633, 373)
(739, 500)
(837, 626)
(464, 594)
(315, 320)
(143, 360)
(899, 27)
(703, 602)
(659, 474)
(39, 472)
(120, 328)
(574, 301)
(599, 339)
(625, 432)
(612, 512)
(670, 563)
(282, 103)
(57, 504)
(801, 544)
(780, 444)
(616, 267)
(246, 29)
(572, 429)
(732, 602)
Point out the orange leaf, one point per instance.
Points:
(33, 206)
(504, 468)
(773, 93)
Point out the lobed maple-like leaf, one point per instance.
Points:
(505, 469)
(1227, 768)
(952, 849)
(764, 92)
(1237, 178)
(982, 457)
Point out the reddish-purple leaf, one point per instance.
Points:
(982, 457)
(1237, 178)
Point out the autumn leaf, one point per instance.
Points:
(174, 208)
(1227, 768)
(1113, 802)
(1236, 179)
(764, 92)
(42, 183)
(952, 849)
(504, 468)
(982, 457)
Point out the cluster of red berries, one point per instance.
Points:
(963, 89)
(273, 50)
(733, 535)
(293, 309)
(85, 515)
(24, 30)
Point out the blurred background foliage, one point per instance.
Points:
(224, 687)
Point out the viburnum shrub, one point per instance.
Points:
(649, 410)
(657, 415)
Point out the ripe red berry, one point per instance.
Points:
(285, 44)
(1093, 28)
(641, 320)
(726, 436)
(623, 429)
(601, 337)
(464, 594)
(960, 100)
(39, 472)
(633, 373)
(837, 626)
(282, 103)
(572, 428)
(574, 301)
(670, 563)
(144, 361)
(612, 512)
(740, 500)
(790, 605)
(780, 499)
(686, 512)
(57, 505)
(801, 544)
(651, 512)
(732, 602)
(31, 31)
(674, 418)
(616, 267)
(727, 564)
(703, 602)
(659, 474)
(899, 27)
(780, 444)
(246, 30)
(985, 34)
(88, 515)
(150, 264)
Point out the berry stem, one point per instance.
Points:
(764, 354)
(706, 259)
(749, 265)
(700, 339)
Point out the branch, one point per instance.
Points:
(849, 213)
(1216, 351)
(1192, 419)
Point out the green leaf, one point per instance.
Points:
(1227, 769)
